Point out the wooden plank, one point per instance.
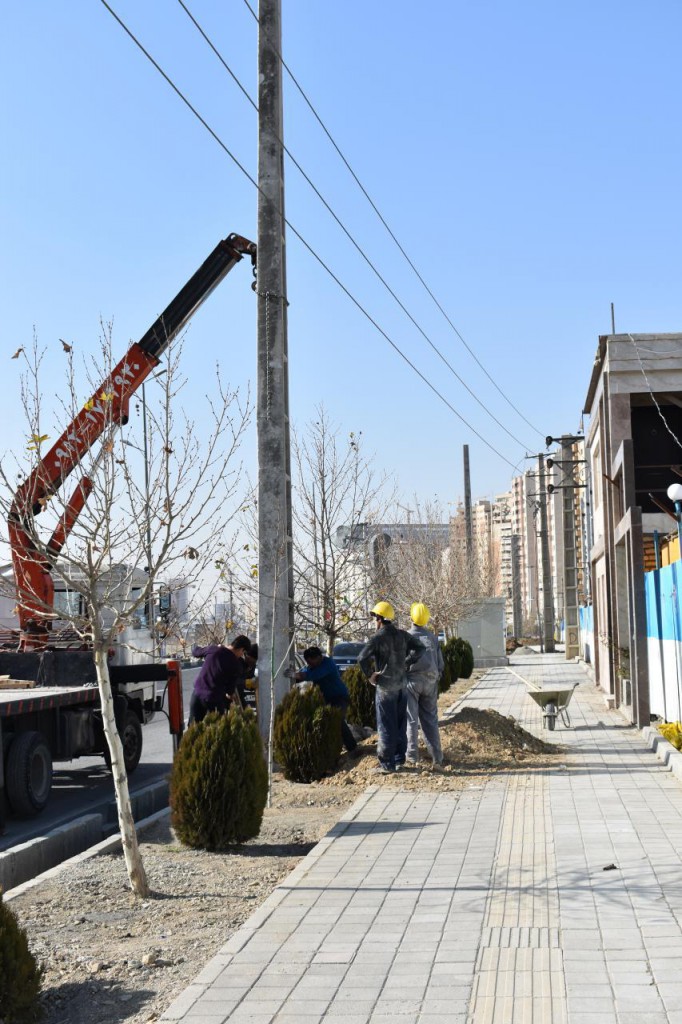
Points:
(6, 683)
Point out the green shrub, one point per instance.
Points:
(458, 657)
(219, 782)
(20, 976)
(362, 709)
(307, 740)
(466, 657)
(445, 680)
(451, 665)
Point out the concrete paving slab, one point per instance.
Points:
(544, 896)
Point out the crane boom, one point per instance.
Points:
(108, 405)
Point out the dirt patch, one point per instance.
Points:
(129, 958)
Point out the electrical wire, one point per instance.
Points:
(300, 237)
(350, 237)
(653, 396)
(389, 230)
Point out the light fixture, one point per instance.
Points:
(675, 495)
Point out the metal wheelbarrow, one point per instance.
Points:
(554, 699)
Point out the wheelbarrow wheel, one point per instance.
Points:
(550, 715)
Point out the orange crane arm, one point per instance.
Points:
(109, 405)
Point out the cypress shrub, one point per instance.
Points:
(458, 657)
(444, 683)
(451, 671)
(466, 657)
(362, 709)
(219, 782)
(307, 735)
(20, 976)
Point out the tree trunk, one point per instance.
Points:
(131, 850)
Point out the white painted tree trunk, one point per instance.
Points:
(126, 822)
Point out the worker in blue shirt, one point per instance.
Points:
(324, 672)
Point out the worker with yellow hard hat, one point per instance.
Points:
(384, 660)
(422, 690)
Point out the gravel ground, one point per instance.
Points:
(100, 946)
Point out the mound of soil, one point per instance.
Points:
(474, 742)
(488, 734)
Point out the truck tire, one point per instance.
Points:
(131, 738)
(29, 774)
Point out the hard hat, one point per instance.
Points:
(384, 610)
(419, 613)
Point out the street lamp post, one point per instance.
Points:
(675, 495)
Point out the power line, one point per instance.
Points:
(653, 396)
(350, 237)
(392, 234)
(300, 237)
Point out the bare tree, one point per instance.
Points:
(427, 561)
(110, 557)
(337, 495)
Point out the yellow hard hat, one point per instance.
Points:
(384, 609)
(419, 613)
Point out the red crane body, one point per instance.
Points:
(109, 405)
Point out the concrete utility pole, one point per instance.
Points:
(468, 525)
(275, 570)
(517, 611)
(569, 543)
(547, 595)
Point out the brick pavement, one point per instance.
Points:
(486, 906)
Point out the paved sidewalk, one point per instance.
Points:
(490, 905)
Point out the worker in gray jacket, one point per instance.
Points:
(384, 660)
(422, 689)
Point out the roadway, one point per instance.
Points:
(85, 786)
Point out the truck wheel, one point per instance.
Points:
(29, 774)
(132, 741)
(131, 738)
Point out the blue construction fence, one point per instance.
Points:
(663, 590)
(664, 640)
(586, 628)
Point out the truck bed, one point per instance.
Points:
(16, 702)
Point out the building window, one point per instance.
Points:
(68, 604)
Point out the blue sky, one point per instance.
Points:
(526, 155)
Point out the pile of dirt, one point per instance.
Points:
(473, 741)
(481, 735)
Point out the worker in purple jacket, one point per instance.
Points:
(220, 675)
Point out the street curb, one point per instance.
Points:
(664, 751)
(26, 860)
(109, 845)
(28, 863)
